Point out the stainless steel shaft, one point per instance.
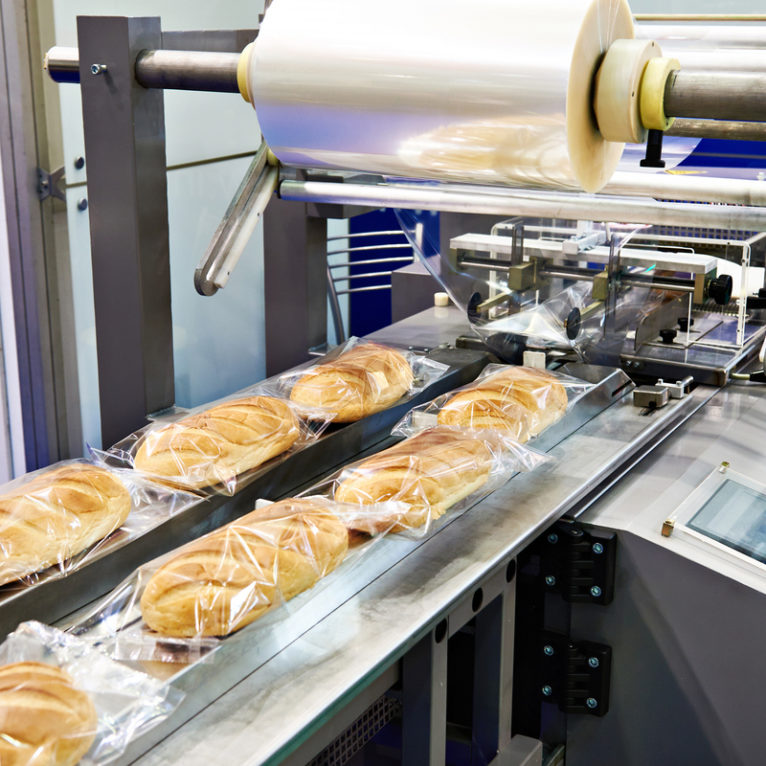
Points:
(716, 95)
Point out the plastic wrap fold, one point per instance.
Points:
(63, 702)
(356, 379)
(59, 518)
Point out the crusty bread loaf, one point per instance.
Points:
(429, 472)
(44, 719)
(521, 400)
(227, 579)
(215, 446)
(57, 515)
(366, 379)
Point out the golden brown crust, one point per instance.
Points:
(366, 379)
(430, 472)
(57, 515)
(226, 580)
(216, 445)
(44, 719)
(521, 400)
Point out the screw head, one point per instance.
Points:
(592, 703)
(79, 163)
(598, 548)
(97, 68)
(547, 690)
(550, 580)
(593, 662)
(82, 204)
(553, 538)
(595, 591)
(548, 650)
(576, 532)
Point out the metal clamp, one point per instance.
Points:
(48, 184)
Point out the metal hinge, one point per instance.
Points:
(575, 674)
(577, 563)
(48, 184)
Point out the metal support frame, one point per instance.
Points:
(127, 189)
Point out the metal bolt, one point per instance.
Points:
(547, 691)
(595, 591)
(592, 703)
(79, 163)
(593, 662)
(82, 204)
(98, 68)
(550, 580)
(553, 538)
(598, 548)
(548, 650)
(576, 532)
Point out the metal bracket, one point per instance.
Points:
(578, 564)
(575, 674)
(48, 184)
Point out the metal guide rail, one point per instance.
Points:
(53, 596)
(598, 435)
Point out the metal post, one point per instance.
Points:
(127, 190)
(424, 700)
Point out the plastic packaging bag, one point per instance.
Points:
(218, 447)
(178, 607)
(442, 468)
(62, 701)
(57, 519)
(356, 379)
(520, 401)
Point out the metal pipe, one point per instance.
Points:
(504, 202)
(730, 130)
(371, 261)
(337, 315)
(369, 275)
(716, 95)
(177, 70)
(367, 248)
(363, 289)
(353, 235)
(640, 17)
(676, 37)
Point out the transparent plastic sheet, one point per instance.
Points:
(494, 114)
(64, 702)
(217, 448)
(56, 520)
(177, 608)
(519, 401)
(441, 469)
(356, 379)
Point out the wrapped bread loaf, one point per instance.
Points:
(215, 446)
(44, 719)
(57, 515)
(366, 379)
(521, 400)
(226, 580)
(429, 472)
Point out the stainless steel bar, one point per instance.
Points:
(364, 289)
(731, 130)
(337, 315)
(368, 275)
(699, 17)
(368, 248)
(506, 202)
(673, 37)
(372, 261)
(358, 234)
(716, 95)
(168, 69)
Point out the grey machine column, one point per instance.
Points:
(127, 194)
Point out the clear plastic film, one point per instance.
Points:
(217, 448)
(356, 379)
(64, 702)
(493, 93)
(56, 520)
(177, 608)
(441, 469)
(519, 401)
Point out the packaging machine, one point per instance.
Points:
(505, 635)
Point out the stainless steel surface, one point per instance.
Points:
(716, 95)
(188, 70)
(443, 95)
(237, 226)
(728, 129)
(62, 64)
(686, 625)
(651, 396)
(273, 710)
(451, 198)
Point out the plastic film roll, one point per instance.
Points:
(492, 91)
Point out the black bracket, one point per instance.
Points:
(653, 158)
(575, 675)
(577, 563)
